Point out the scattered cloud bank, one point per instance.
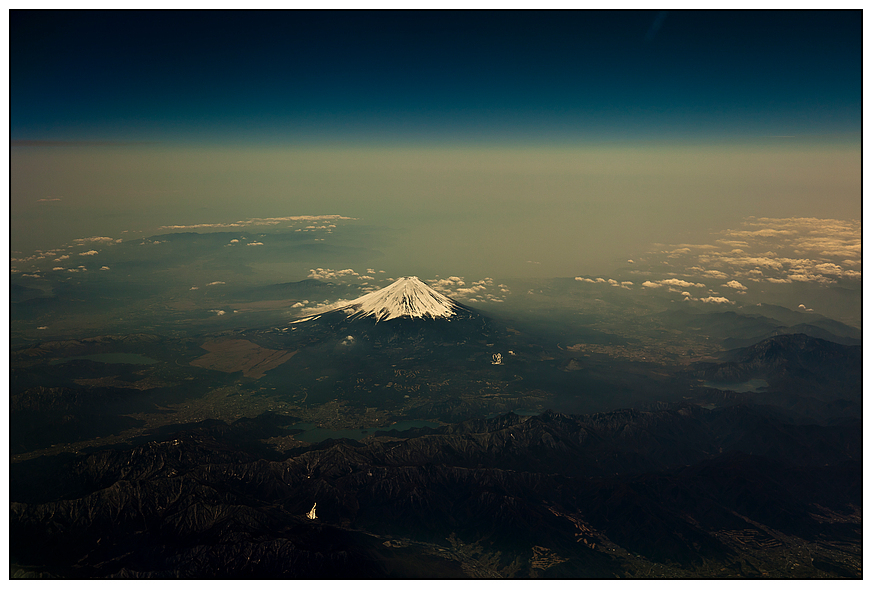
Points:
(106, 240)
(718, 300)
(672, 282)
(268, 221)
(776, 251)
(477, 291)
(328, 274)
(348, 275)
(610, 281)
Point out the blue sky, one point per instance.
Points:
(231, 77)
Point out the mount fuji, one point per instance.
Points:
(407, 298)
(405, 347)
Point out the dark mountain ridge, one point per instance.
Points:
(605, 494)
(794, 356)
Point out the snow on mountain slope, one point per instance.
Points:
(407, 297)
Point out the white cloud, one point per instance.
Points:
(829, 268)
(255, 243)
(89, 253)
(96, 240)
(263, 221)
(216, 282)
(104, 267)
(810, 278)
(62, 258)
(328, 274)
(681, 283)
(455, 287)
(676, 253)
(777, 251)
(448, 283)
(671, 282)
(718, 300)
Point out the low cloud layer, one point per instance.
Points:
(267, 221)
(609, 281)
(477, 291)
(776, 251)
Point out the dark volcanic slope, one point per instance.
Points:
(680, 491)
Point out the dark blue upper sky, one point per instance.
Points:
(279, 77)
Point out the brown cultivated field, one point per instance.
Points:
(239, 354)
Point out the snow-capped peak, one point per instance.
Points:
(407, 297)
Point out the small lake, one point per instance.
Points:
(314, 434)
(109, 359)
(749, 386)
